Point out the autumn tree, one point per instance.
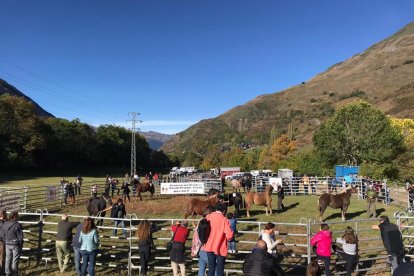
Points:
(356, 133)
(279, 150)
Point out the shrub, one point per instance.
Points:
(408, 61)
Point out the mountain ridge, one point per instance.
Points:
(6, 88)
(383, 75)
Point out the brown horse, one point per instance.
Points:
(146, 186)
(338, 201)
(264, 199)
(196, 206)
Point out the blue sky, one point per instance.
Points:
(178, 62)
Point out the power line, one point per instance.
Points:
(102, 107)
(133, 147)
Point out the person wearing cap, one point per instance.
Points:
(392, 239)
(371, 201)
(63, 238)
(12, 234)
(3, 218)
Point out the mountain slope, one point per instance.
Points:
(383, 75)
(155, 139)
(6, 88)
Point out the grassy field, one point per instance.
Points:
(297, 207)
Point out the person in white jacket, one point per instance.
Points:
(268, 236)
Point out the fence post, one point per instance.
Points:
(39, 241)
(25, 199)
(308, 238)
(130, 247)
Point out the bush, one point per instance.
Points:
(408, 61)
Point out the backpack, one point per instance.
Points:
(203, 230)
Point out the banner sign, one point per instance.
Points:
(181, 188)
(275, 181)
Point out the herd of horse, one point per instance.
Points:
(196, 206)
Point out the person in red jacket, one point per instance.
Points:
(177, 254)
(323, 242)
(216, 246)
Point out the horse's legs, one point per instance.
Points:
(248, 210)
(139, 195)
(270, 207)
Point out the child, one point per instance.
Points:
(349, 243)
(323, 241)
(231, 244)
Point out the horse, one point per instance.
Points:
(96, 205)
(244, 182)
(196, 206)
(263, 199)
(146, 186)
(232, 199)
(341, 200)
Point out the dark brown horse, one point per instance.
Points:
(338, 201)
(142, 187)
(196, 206)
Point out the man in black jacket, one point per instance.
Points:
(63, 238)
(392, 239)
(118, 211)
(3, 217)
(261, 263)
(12, 234)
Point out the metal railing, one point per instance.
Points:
(40, 230)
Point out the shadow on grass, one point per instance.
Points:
(348, 216)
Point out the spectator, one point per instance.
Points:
(71, 194)
(305, 181)
(404, 269)
(94, 190)
(348, 252)
(233, 225)
(268, 236)
(125, 192)
(145, 243)
(216, 246)
(261, 263)
(323, 242)
(114, 186)
(63, 237)
(64, 185)
(372, 195)
(118, 211)
(79, 181)
(12, 233)
(3, 218)
(410, 189)
(196, 248)
(280, 197)
(88, 241)
(177, 254)
(76, 249)
(392, 239)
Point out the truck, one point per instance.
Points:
(225, 171)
